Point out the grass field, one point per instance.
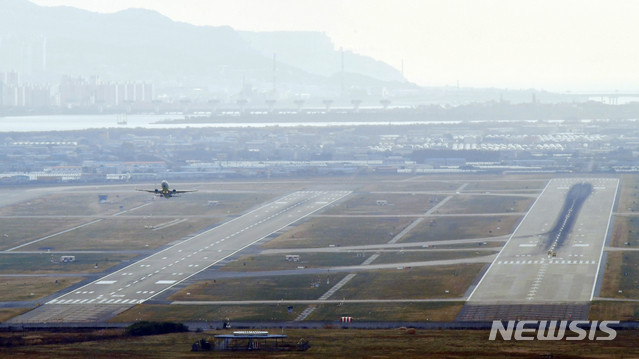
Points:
(490, 244)
(303, 286)
(511, 183)
(47, 263)
(621, 277)
(517, 184)
(121, 233)
(273, 186)
(17, 231)
(418, 312)
(446, 228)
(366, 203)
(614, 310)
(325, 343)
(32, 288)
(417, 185)
(425, 311)
(413, 283)
(462, 204)
(628, 194)
(75, 204)
(625, 232)
(266, 262)
(322, 232)
(211, 313)
(8, 313)
(203, 204)
(426, 255)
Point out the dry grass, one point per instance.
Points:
(305, 286)
(445, 228)
(333, 343)
(121, 233)
(629, 194)
(426, 255)
(410, 312)
(204, 204)
(491, 244)
(8, 313)
(621, 277)
(16, 231)
(322, 232)
(509, 185)
(619, 232)
(266, 262)
(486, 204)
(417, 185)
(614, 310)
(625, 232)
(413, 283)
(252, 186)
(207, 313)
(612, 275)
(366, 203)
(46, 263)
(32, 288)
(75, 204)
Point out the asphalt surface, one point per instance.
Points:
(153, 275)
(575, 199)
(524, 272)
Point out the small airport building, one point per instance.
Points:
(249, 340)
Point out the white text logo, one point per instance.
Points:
(553, 330)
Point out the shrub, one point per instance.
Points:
(152, 328)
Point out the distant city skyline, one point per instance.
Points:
(560, 45)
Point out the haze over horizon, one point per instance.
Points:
(560, 46)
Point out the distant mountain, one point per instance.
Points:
(143, 45)
(315, 53)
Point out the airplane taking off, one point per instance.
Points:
(165, 192)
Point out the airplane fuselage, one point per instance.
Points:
(165, 191)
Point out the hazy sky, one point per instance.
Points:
(556, 45)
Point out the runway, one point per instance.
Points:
(151, 276)
(554, 255)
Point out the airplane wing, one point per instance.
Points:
(148, 190)
(185, 191)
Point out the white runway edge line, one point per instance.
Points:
(603, 242)
(508, 241)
